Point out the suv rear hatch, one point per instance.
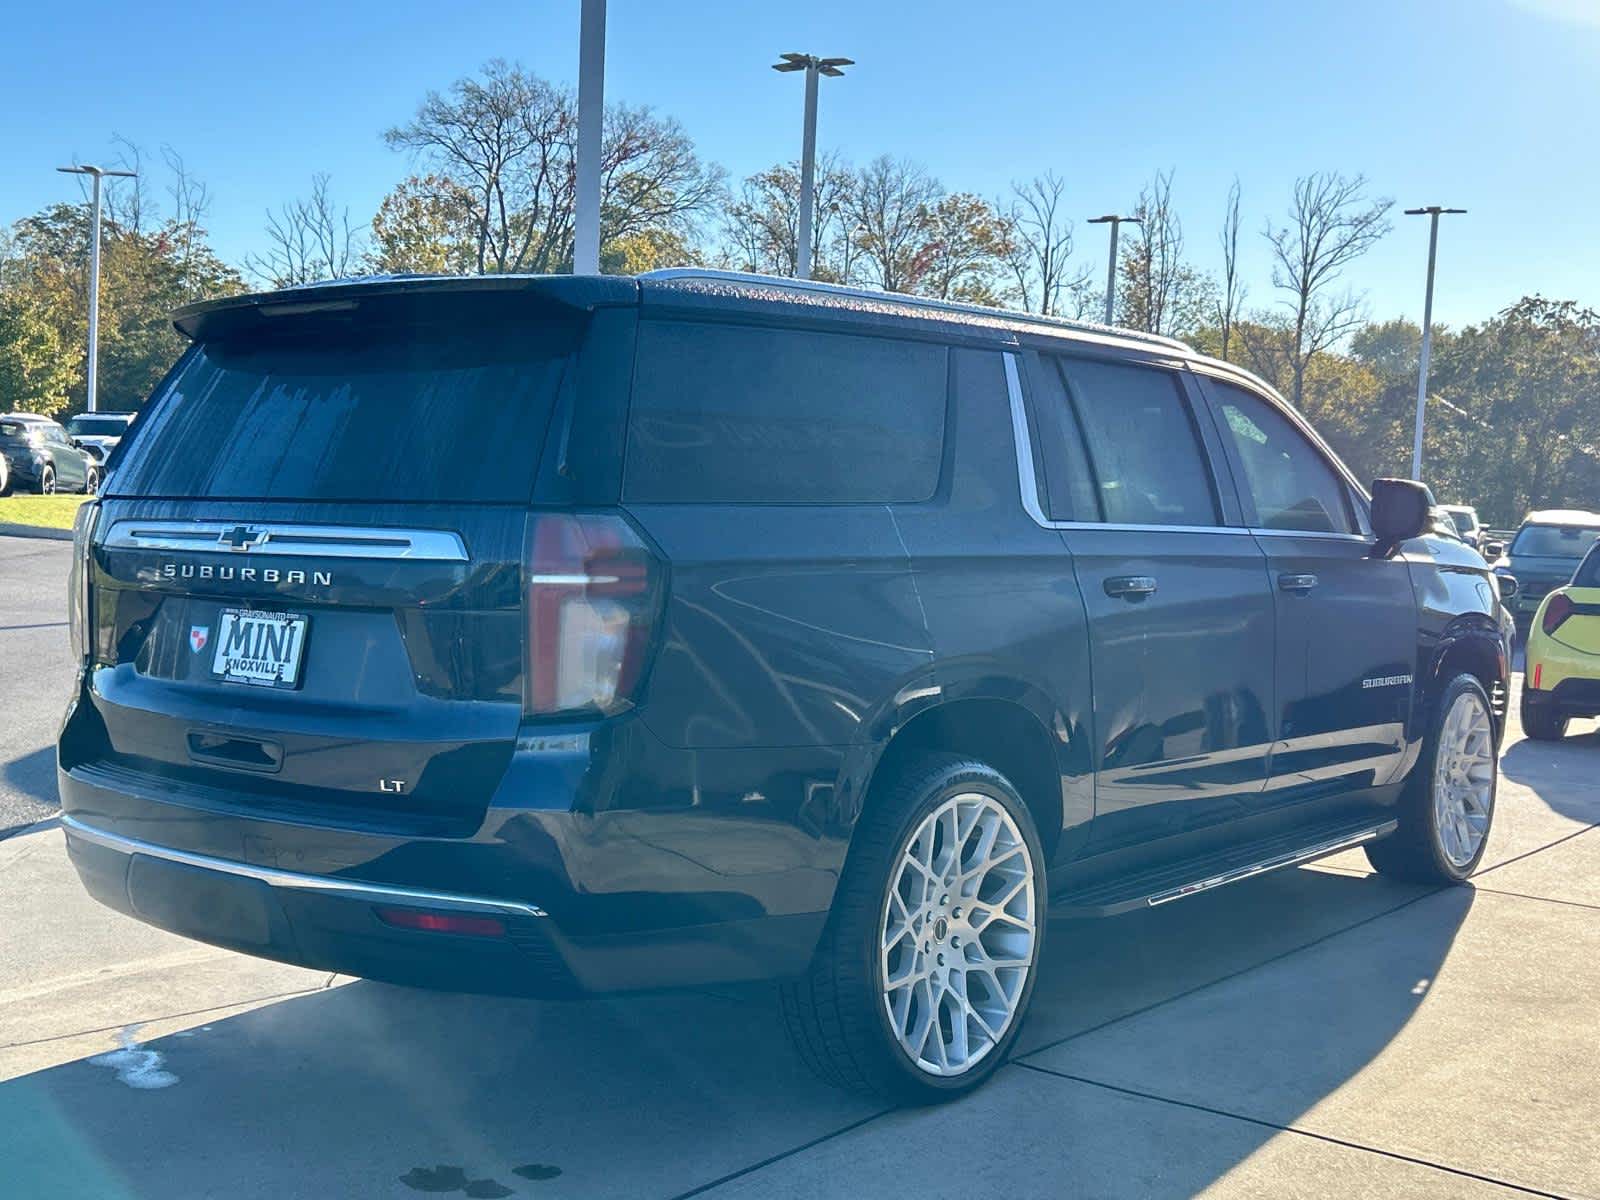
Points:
(306, 586)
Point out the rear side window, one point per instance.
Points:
(751, 415)
(1588, 572)
(351, 412)
(1292, 485)
(1142, 448)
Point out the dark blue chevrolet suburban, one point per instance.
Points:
(568, 634)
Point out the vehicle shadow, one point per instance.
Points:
(367, 1090)
(33, 775)
(1551, 768)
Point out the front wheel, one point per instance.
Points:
(925, 971)
(1448, 804)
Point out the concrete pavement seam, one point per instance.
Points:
(767, 1162)
(1487, 891)
(1538, 849)
(1295, 1129)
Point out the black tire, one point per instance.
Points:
(47, 481)
(91, 481)
(1414, 851)
(5, 478)
(835, 1013)
(1542, 723)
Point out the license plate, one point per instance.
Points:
(260, 648)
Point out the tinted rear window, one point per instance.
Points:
(355, 413)
(741, 414)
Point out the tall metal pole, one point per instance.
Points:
(94, 294)
(1432, 212)
(93, 367)
(591, 119)
(808, 171)
(1111, 275)
(1111, 263)
(813, 67)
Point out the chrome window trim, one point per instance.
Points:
(284, 540)
(1028, 479)
(379, 893)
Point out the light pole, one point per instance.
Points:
(813, 67)
(1433, 213)
(95, 173)
(1111, 265)
(591, 119)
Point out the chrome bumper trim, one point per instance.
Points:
(376, 893)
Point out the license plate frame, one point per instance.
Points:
(273, 648)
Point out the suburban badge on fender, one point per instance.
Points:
(1387, 681)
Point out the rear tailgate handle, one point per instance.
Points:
(1296, 583)
(236, 753)
(1130, 587)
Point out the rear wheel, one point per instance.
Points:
(47, 481)
(924, 974)
(5, 477)
(91, 481)
(1541, 723)
(1448, 805)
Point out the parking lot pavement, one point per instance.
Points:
(35, 673)
(1316, 1032)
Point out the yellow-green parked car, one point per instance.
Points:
(1562, 680)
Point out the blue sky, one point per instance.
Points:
(1490, 105)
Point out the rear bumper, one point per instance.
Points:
(333, 924)
(1570, 697)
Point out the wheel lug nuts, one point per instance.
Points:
(955, 943)
(941, 960)
(943, 900)
(956, 913)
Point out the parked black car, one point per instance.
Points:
(790, 632)
(36, 453)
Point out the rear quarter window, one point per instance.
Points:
(741, 414)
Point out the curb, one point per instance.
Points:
(7, 529)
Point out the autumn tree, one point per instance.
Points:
(761, 224)
(504, 142)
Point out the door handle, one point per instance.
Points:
(1296, 583)
(1130, 587)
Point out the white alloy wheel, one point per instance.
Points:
(1463, 779)
(958, 934)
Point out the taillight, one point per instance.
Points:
(593, 597)
(1556, 610)
(79, 612)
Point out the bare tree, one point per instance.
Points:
(1331, 224)
(1160, 292)
(308, 240)
(1041, 249)
(888, 208)
(508, 139)
(1230, 298)
(762, 225)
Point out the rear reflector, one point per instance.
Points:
(1538, 672)
(443, 922)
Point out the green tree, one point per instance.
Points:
(36, 370)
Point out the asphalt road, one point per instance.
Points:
(1317, 1032)
(35, 675)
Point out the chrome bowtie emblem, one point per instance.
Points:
(242, 537)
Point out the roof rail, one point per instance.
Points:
(668, 274)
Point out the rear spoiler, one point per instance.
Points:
(233, 314)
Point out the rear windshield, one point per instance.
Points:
(1554, 541)
(98, 426)
(396, 413)
(1463, 521)
(16, 431)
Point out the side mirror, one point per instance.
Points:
(1401, 509)
(1509, 586)
(1493, 550)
